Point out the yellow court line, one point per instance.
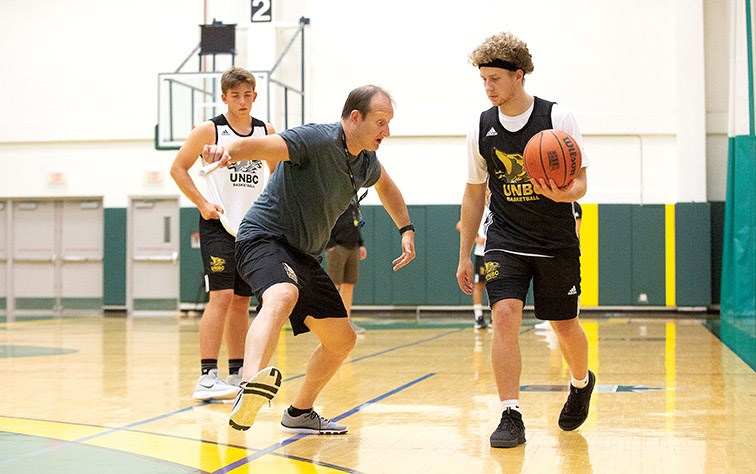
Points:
(198, 454)
(670, 369)
(589, 261)
(188, 452)
(49, 429)
(669, 254)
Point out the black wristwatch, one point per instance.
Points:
(406, 228)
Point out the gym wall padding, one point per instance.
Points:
(192, 285)
(114, 258)
(629, 244)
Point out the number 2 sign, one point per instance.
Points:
(262, 11)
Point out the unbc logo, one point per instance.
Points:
(492, 270)
(217, 264)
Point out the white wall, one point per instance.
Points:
(79, 92)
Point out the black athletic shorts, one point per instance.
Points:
(217, 248)
(479, 269)
(265, 261)
(556, 282)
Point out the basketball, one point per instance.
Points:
(552, 154)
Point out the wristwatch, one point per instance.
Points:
(406, 228)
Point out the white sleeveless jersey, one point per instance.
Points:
(237, 187)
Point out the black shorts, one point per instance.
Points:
(479, 270)
(217, 248)
(266, 261)
(556, 282)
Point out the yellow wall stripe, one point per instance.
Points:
(669, 237)
(589, 259)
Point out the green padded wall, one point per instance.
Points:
(192, 286)
(631, 257)
(692, 254)
(114, 258)
(717, 228)
(648, 252)
(615, 233)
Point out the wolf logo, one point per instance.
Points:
(217, 264)
(246, 166)
(492, 270)
(509, 168)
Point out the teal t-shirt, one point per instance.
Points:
(306, 195)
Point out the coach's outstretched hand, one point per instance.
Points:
(408, 250)
(213, 153)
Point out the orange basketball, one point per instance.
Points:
(552, 154)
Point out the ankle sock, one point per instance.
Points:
(297, 412)
(578, 384)
(478, 311)
(514, 404)
(234, 366)
(208, 365)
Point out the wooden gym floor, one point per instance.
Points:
(113, 394)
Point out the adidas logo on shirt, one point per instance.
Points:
(573, 291)
(225, 133)
(491, 133)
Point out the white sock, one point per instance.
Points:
(478, 310)
(513, 404)
(579, 383)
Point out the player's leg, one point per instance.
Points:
(261, 382)
(326, 319)
(505, 347)
(264, 330)
(217, 249)
(556, 290)
(477, 296)
(346, 290)
(237, 324)
(337, 340)
(507, 280)
(272, 272)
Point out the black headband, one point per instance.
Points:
(500, 63)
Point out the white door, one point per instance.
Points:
(56, 249)
(33, 252)
(80, 255)
(153, 272)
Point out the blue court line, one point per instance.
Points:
(283, 443)
(358, 359)
(274, 447)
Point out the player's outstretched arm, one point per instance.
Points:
(270, 148)
(393, 202)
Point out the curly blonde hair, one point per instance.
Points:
(505, 47)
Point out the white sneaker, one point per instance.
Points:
(310, 423)
(544, 326)
(234, 380)
(211, 387)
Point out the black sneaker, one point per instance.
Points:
(575, 409)
(510, 432)
(480, 323)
